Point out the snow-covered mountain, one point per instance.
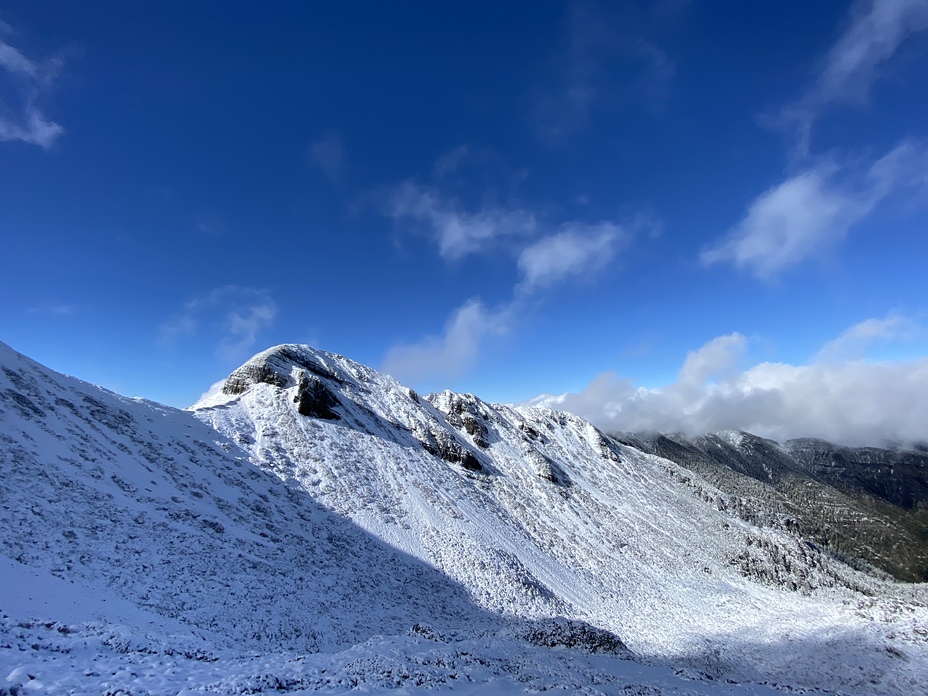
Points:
(318, 526)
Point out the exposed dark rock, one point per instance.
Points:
(547, 469)
(314, 399)
(559, 632)
(275, 367)
(466, 413)
(441, 443)
(249, 374)
(23, 404)
(529, 431)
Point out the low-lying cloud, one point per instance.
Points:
(856, 401)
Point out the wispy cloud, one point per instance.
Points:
(208, 222)
(545, 254)
(452, 353)
(604, 43)
(850, 401)
(809, 212)
(577, 249)
(458, 232)
(231, 315)
(854, 342)
(58, 309)
(875, 31)
(329, 155)
(21, 116)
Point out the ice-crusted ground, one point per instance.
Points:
(318, 526)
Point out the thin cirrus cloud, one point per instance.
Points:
(328, 154)
(609, 53)
(577, 249)
(809, 212)
(458, 232)
(21, 116)
(854, 401)
(231, 315)
(545, 255)
(876, 30)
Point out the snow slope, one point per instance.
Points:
(559, 520)
(317, 526)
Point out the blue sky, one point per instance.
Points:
(502, 198)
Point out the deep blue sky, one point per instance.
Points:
(504, 198)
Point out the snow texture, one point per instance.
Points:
(316, 526)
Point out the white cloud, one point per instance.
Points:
(458, 232)
(810, 212)
(716, 358)
(231, 314)
(454, 352)
(788, 223)
(329, 155)
(853, 343)
(852, 401)
(875, 31)
(26, 122)
(577, 249)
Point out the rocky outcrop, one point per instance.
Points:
(466, 413)
(442, 444)
(314, 399)
(276, 366)
(250, 374)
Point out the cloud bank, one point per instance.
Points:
(856, 402)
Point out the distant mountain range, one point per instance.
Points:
(865, 505)
(315, 525)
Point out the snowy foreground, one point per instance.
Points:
(316, 526)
